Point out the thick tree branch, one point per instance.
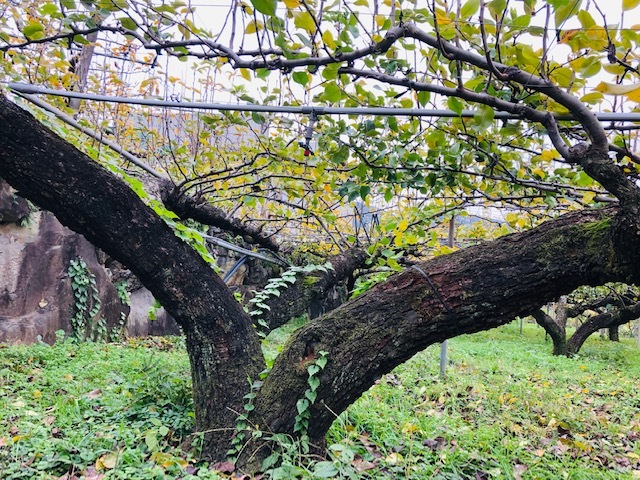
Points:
(186, 206)
(556, 331)
(484, 287)
(604, 320)
(223, 346)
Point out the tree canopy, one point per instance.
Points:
(336, 182)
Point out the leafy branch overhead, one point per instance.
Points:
(357, 190)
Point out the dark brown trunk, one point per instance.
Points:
(604, 320)
(474, 289)
(223, 346)
(555, 330)
(614, 334)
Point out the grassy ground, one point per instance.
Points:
(508, 409)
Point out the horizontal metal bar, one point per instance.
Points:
(25, 88)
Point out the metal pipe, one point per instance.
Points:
(235, 248)
(93, 134)
(381, 111)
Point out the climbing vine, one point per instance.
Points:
(87, 303)
(274, 287)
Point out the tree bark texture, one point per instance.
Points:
(186, 206)
(555, 330)
(223, 346)
(471, 290)
(474, 289)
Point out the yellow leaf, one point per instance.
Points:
(403, 225)
(37, 393)
(380, 19)
(549, 155)
(327, 38)
(107, 461)
(630, 4)
(613, 89)
(588, 198)
(292, 3)
(245, 74)
(442, 19)
(253, 27)
(635, 95)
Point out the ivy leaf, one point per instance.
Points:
(268, 7)
(302, 405)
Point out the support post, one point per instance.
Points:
(443, 345)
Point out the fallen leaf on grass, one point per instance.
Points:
(94, 393)
(518, 470)
(362, 465)
(48, 420)
(92, 474)
(107, 461)
(224, 467)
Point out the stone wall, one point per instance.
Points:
(36, 298)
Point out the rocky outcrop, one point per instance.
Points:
(36, 298)
(13, 209)
(139, 323)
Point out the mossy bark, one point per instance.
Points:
(223, 346)
(481, 287)
(471, 290)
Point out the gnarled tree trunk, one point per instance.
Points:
(471, 290)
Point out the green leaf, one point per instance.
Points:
(332, 93)
(311, 395)
(314, 383)
(128, 23)
(484, 116)
(300, 77)
(313, 369)
(454, 105)
(33, 30)
(583, 180)
(305, 21)
(302, 405)
(423, 98)
(565, 12)
(268, 7)
(469, 8)
(325, 470)
(68, 4)
(50, 9)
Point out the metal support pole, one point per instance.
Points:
(443, 346)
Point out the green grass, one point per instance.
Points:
(508, 409)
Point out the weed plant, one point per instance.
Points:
(507, 409)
